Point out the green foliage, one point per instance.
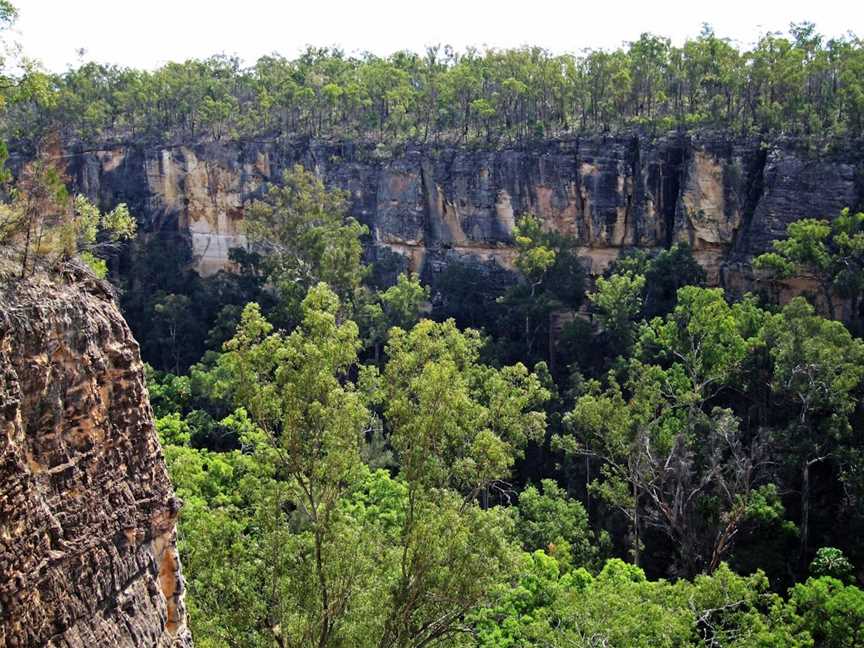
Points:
(400, 305)
(97, 265)
(552, 280)
(173, 430)
(46, 226)
(368, 503)
(618, 301)
(705, 335)
(551, 521)
(665, 272)
(669, 460)
(831, 252)
(308, 427)
(817, 373)
(831, 562)
(305, 237)
(334, 504)
(833, 613)
(336, 553)
(403, 302)
(521, 613)
(197, 314)
(169, 394)
(620, 607)
(288, 536)
(817, 364)
(794, 84)
(534, 258)
(454, 421)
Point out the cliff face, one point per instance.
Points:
(728, 198)
(87, 513)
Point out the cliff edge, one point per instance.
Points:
(727, 197)
(87, 512)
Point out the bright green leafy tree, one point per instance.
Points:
(832, 252)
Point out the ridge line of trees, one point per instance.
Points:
(801, 84)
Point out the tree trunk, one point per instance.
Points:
(829, 301)
(324, 637)
(805, 509)
(635, 526)
(27, 246)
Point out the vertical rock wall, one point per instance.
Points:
(727, 197)
(87, 513)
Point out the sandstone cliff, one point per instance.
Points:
(87, 513)
(727, 197)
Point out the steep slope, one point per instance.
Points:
(728, 197)
(87, 513)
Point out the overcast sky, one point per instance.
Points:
(147, 33)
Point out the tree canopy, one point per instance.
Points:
(799, 83)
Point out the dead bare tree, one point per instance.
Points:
(698, 493)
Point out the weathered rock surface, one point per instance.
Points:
(87, 513)
(729, 198)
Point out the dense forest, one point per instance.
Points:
(369, 464)
(372, 472)
(795, 84)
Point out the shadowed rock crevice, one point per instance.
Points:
(754, 188)
(670, 191)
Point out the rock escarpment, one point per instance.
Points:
(87, 512)
(727, 197)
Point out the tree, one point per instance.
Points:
(43, 222)
(548, 606)
(456, 427)
(305, 236)
(403, 302)
(8, 16)
(618, 301)
(39, 201)
(534, 257)
(669, 460)
(552, 278)
(817, 369)
(664, 273)
(400, 305)
(175, 325)
(706, 337)
(694, 482)
(831, 252)
(833, 613)
(552, 521)
(313, 422)
(649, 60)
(340, 555)
(831, 562)
(800, 84)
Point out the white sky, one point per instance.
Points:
(147, 33)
